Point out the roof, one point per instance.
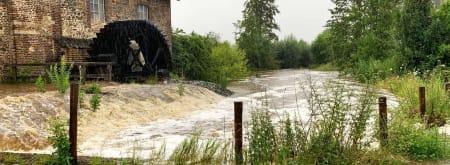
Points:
(78, 43)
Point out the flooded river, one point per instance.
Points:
(135, 120)
(282, 89)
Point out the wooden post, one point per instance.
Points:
(382, 107)
(73, 121)
(238, 132)
(422, 101)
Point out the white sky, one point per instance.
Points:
(303, 18)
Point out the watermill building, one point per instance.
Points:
(40, 31)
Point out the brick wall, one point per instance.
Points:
(75, 19)
(76, 55)
(161, 15)
(35, 24)
(6, 39)
(28, 27)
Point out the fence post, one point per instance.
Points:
(422, 101)
(382, 107)
(73, 121)
(238, 132)
(109, 69)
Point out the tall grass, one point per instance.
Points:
(407, 89)
(334, 133)
(60, 75)
(193, 150)
(410, 135)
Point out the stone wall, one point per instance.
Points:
(160, 14)
(35, 23)
(28, 27)
(75, 19)
(5, 35)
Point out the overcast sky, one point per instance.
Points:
(303, 18)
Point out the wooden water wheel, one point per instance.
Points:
(136, 47)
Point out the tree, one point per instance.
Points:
(192, 54)
(321, 49)
(414, 22)
(293, 53)
(256, 33)
(437, 38)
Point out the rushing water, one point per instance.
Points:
(135, 120)
(282, 89)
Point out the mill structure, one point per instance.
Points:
(134, 35)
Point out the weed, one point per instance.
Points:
(60, 75)
(95, 101)
(60, 141)
(93, 88)
(181, 88)
(195, 151)
(40, 84)
(416, 141)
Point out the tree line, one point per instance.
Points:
(368, 38)
(373, 38)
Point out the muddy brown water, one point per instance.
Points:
(141, 118)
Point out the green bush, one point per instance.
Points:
(93, 88)
(181, 88)
(40, 84)
(261, 138)
(60, 75)
(416, 141)
(60, 141)
(95, 101)
(192, 54)
(229, 64)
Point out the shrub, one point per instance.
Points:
(40, 84)
(193, 150)
(60, 75)
(416, 141)
(95, 101)
(93, 88)
(229, 64)
(60, 141)
(181, 88)
(334, 133)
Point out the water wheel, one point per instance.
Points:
(136, 47)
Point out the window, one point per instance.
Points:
(142, 12)
(97, 10)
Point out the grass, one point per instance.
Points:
(410, 135)
(326, 67)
